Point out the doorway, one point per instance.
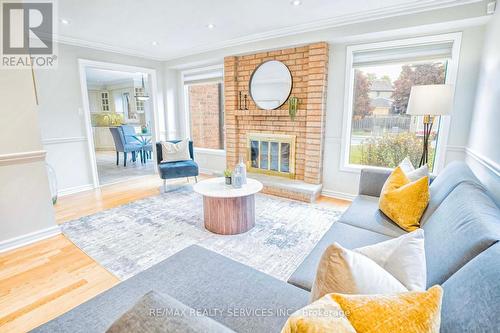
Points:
(121, 119)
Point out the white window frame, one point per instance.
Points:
(200, 75)
(444, 125)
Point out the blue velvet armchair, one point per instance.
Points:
(172, 170)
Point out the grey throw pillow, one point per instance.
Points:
(156, 313)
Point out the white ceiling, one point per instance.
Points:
(180, 26)
(106, 76)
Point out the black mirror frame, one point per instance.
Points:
(251, 78)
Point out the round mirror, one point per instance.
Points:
(270, 84)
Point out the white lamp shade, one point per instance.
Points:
(433, 100)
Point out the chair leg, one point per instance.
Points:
(187, 179)
(164, 185)
(124, 159)
(196, 179)
(117, 158)
(133, 156)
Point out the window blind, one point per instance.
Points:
(413, 53)
(203, 76)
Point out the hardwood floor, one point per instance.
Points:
(42, 281)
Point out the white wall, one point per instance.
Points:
(61, 112)
(484, 138)
(26, 212)
(466, 19)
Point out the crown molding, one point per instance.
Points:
(337, 21)
(334, 22)
(104, 47)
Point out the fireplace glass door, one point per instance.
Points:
(272, 154)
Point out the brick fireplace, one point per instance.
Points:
(308, 66)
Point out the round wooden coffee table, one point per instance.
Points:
(228, 210)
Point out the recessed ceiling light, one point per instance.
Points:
(154, 43)
(64, 21)
(296, 2)
(210, 26)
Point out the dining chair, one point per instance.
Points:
(131, 137)
(122, 146)
(148, 149)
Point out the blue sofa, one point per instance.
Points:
(462, 233)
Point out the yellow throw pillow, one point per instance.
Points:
(324, 315)
(404, 201)
(409, 312)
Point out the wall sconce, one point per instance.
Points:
(293, 105)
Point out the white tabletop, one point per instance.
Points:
(216, 188)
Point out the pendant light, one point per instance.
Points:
(142, 96)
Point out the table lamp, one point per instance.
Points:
(429, 101)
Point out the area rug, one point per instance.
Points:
(128, 239)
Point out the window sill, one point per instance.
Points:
(356, 168)
(216, 152)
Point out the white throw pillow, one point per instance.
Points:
(403, 257)
(393, 266)
(412, 173)
(175, 152)
(347, 272)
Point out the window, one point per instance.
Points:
(204, 107)
(380, 133)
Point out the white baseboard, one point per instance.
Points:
(338, 195)
(210, 172)
(75, 189)
(14, 243)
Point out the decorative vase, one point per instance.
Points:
(237, 178)
(243, 171)
(51, 174)
(228, 180)
(293, 104)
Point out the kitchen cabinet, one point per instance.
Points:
(94, 103)
(103, 140)
(100, 101)
(105, 101)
